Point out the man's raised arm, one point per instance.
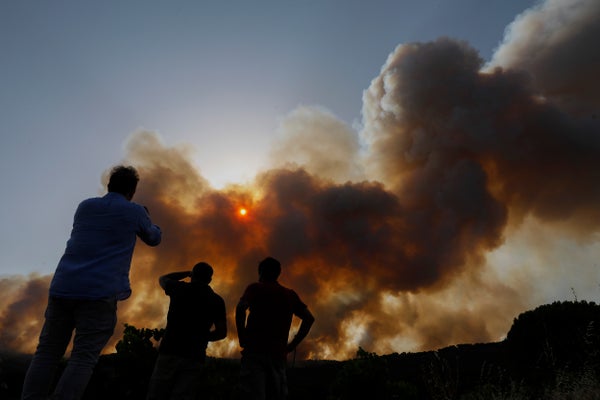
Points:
(173, 276)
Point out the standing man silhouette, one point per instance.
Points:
(264, 334)
(193, 310)
(91, 276)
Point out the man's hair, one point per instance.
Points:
(269, 269)
(123, 180)
(202, 272)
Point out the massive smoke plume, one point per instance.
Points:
(405, 235)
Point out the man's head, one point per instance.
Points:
(123, 180)
(269, 270)
(202, 273)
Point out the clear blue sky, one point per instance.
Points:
(77, 78)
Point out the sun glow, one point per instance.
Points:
(243, 212)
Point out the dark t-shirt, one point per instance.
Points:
(271, 309)
(193, 310)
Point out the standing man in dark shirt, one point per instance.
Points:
(91, 276)
(194, 309)
(264, 334)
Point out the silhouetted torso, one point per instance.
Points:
(271, 308)
(193, 309)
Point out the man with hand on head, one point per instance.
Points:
(91, 276)
(194, 310)
(264, 334)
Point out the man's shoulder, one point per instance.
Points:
(285, 288)
(203, 294)
(91, 200)
(270, 289)
(217, 298)
(110, 197)
(254, 285)
(192, 289)
(90, 205)
(290, 294)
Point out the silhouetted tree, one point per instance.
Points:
(562, 336)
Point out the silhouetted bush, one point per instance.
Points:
(12, 372)
(137, 344)
(368, 376)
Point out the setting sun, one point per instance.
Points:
(243, 212)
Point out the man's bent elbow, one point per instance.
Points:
(240, 309)
(152, 237)
(307, 317)
(154, 240)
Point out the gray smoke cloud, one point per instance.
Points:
(469, 194)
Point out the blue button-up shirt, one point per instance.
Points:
(98, 254)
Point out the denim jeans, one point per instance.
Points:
(175, 377)
(94, 323)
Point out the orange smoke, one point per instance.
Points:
(403, 241)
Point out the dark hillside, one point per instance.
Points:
(552, 352)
